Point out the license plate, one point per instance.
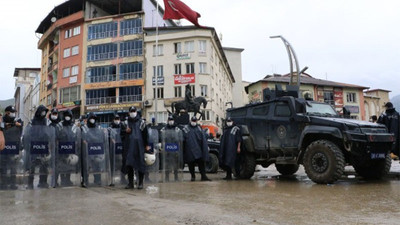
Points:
(378, 155)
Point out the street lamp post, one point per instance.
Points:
(292, 57)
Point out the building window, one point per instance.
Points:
(130, 94)
(66, 72)
(75, 50)
(77, 30)
(189, 67)
(133, 26)
(206, 116)
(178, 91)
(177, 48)
(101, 74)
(131, 71)
(74, 70)
(351, 97)
(69, 94)
(131, 48)
(178, 69)
(160, 72)
(202, 47)
(328, 98)
(103, 30)
(68, 33)
(102, 52)
(158, 51)
(67, 52)
(160, 92)
(203, 68)
(203, 89)
(189, 46)
(101, 96)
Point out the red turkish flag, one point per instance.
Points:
(175, 9)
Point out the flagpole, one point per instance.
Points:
(156, 70)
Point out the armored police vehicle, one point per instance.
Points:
(288, 131)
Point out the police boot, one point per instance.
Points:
(141, 176)
(30, 182)
(43, 181)
(202, 169)
(130, 179)
(191, 170)
(228, 174)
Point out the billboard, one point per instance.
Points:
(184, 79)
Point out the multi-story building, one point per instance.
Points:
(24, 79)
(339, 95)
(31, 99)
(187, 55)
(92, 55)
(375, 99)
(235, 61)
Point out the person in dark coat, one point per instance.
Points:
(12, 133)
(390, 118)
(136, 136)
(230, 147)
(195, 148)
(39, 119)
(54, 117)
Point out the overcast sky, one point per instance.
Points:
(349, 41)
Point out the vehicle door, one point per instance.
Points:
(258, 125)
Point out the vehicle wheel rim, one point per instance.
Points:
(319, 162)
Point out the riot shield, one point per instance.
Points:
(95, 154)
(172, 154)
(152, 174)
(39, 147)
(11, 161)
(68, 157)
(116, 150)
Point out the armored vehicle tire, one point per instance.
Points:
(323, 162)
(376, 169)
(247, 165)
(287, 169)
(212, 164)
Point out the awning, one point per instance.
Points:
(69, 107)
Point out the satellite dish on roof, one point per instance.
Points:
(53, 19)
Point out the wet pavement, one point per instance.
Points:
(265, 199)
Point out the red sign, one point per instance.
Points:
(184, 79)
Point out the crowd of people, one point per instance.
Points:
(53, 149)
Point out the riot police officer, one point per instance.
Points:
(39, 141)
(54, 117)
(10, 156)
(137, 143)
(230, 147)
(390, 118)
(196, 148)
(172, 144)
(68, 148)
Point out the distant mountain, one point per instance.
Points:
(5, 103)
(396, 102)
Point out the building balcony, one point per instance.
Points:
(101, 100)
(131, 76)
(103, 78)
(102, 56)
(130, 98)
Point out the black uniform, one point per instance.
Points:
(390, 118)
(195, 150)
(8, 156)
(228, 149)
(136, 141)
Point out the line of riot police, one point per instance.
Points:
(51, 152)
